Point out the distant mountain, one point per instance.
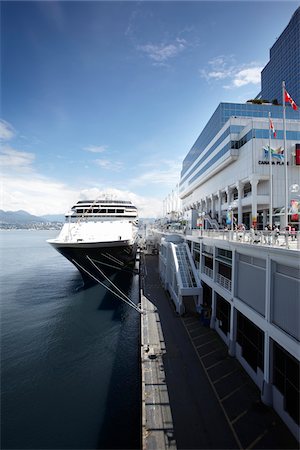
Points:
(17, 217)
(23, 217)
(54, 217)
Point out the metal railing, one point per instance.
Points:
(223, 281)
(283, 239)
(208, 271)
(186, 272)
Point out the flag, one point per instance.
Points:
(272, 128)
(289, 99)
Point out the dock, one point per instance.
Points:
(194, 395)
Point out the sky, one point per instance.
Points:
(109, 96)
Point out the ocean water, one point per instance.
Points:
(70, 376)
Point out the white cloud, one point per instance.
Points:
(95, 148)
(23, 188)
(167, 174)
(39, 195)
(114, 166)
(162, 52)
(226, 68)
(218, 75)
(247, 76)
(36, 194)
(14, 160)
(7, 132)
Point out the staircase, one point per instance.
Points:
(212, 223)
(179, 275)
(185, 268)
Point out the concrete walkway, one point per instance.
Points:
(214, 403)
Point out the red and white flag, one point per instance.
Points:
(272, 128)
(289, 99)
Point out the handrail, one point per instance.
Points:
(184, 267)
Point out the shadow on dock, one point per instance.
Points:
(214, 404)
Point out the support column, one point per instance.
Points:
(207, 205)
(232, 332)
(265, 219)
(220, 207)
(228, 193)
(213, 311)
(266, 393)
(240, 189)
(202, 205)
(232, 342)
(254, 183)
(213, 208)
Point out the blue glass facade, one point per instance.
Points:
(221, 115)
(284, 64)
(235, 144)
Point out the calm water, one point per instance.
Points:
(70, 356)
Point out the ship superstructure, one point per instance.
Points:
(99, 236)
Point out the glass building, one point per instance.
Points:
(284, 64)
(221, 115)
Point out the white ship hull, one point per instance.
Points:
(99, 245)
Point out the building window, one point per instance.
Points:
(224, 270)
(251, 340)
(208, 262)
(196, 257)
(286, 375)
(225, 254)
(247, 189)
(207, 294)
(235, 194)
(223, 314)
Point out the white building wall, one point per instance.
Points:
(249, 163)
(256, 300)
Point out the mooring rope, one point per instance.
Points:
(124, 299)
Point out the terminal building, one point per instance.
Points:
(228, 167)
(252, 291)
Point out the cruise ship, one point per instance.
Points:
(99, 238)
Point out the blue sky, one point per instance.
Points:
(111, 95)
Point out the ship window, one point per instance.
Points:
(120, 211)
(102, 211)
(111, 211)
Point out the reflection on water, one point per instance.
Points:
(70, 356)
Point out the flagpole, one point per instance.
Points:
(285, 160)
(271, 176)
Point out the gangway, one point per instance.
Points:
(185, 268)
(179, 275)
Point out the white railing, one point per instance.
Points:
(223, 281)
(270, 238)
(208, 271)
